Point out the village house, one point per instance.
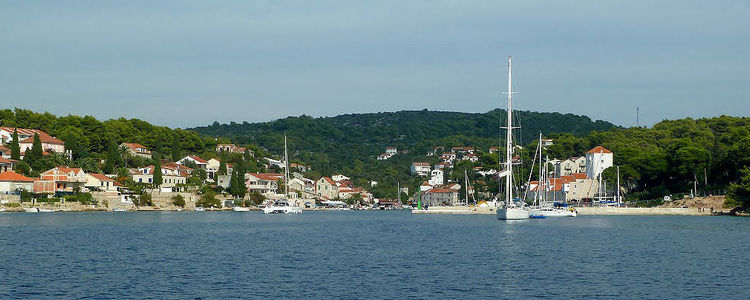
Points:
(171, 176)
(298, 167)
(99, 182)
(212, 167)
(232, 148)
(436, 177)
(65, 179)
(263, 183)
(199, 162)
(493, 150)
(26, 139)
(339, 178)
(6, 164)
(470, 157)
(420, 169)
(4, 152)
(136, 149)
(389, 152)
(440, 197)
(326, 188)
(597, 160)
(12, 183)
(570, 166)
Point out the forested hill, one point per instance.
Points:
(366, 135)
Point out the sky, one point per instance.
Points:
(190, 63)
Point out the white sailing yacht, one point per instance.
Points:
(510, 210)
(283, 206)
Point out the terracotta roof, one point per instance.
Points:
(419, 163)
(3, 148)
(135, 146)
(101, 177)
(329, 180)
(264, 176)
(599, 149)
(5, 160)
(13, 176)
(579, 175)
(67, 170)
(45, 138)
(198, 159)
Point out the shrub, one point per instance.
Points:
(178, 200)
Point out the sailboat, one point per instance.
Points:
(544, 208)
(510, 210)
(283, 206)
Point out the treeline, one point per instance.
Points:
(349, 144)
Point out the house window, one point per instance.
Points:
(150, 180)
(140, 180)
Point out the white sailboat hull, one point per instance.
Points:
(552, 212)
(512, 213)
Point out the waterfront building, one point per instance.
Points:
(264, 183)
(597, 160)
(65, 179)
(99, 182)
(570, 166)
(440, 197)
(326, 188)
(12, 182)
(199, 162)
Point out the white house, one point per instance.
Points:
(201, 163)
(264, 183)
(26, 139)
(597, 160)
(391, 150)
(100, 182)
(436, 177)
(420, 168)
(136, 149)
(212, 167)
(6, 164)
(339, 178)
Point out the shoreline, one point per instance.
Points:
(584, 211)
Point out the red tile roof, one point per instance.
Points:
(579, 175)
(599, 149)
(135, 146)
(442, 191)
(45, 138)
(101, 177)
(329, 180)
(198, 159)
(13, 176)
(3, 148)
(5, 160)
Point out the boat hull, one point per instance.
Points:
(282, 210)
(512, 214)
(555, 212)
(240, 209)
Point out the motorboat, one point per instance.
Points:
(555, 210)
(240, 209)
(199, 208)
(281, 207)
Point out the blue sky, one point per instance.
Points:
(189, 63)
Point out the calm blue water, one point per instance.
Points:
(376, 254)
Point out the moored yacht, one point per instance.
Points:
(283, 206)
(510, 209)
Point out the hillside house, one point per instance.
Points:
(212, 167)
(6, 164)
(436, 177)
(420, 168)
(136, 149)
(65, 179)
(199, 162)
(26, 139)
(99, 182)
(171, 176)
(570, 166)
(264, 183)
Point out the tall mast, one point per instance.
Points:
(466, 186)
(509, 140)
(286, 170)
(539, 185)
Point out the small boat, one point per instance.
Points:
(240, 209)
(31, 209)
(282, 207)
(118, 210)
(198, 208)
(45, 210)
(553, 211)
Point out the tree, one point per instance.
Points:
(176, 148)
(222, 168)
(739, 193)
(113, 160)
(35, 156)
(208, 199)
(15, 148)
(158, 180)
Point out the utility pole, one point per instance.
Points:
(619, 199)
